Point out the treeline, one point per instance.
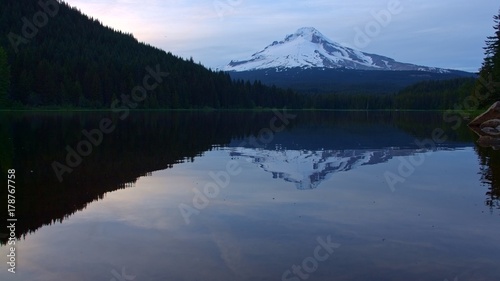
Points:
(488, 85)
(445, 94)
(435, 94)
(344, 81)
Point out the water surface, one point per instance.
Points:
(251, 196)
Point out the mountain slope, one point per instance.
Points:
(308, 48)
(343, 81)
(75, 61)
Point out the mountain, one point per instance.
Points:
(309, 62)
(308, 48)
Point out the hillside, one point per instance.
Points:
(74, 60)
(343, 81)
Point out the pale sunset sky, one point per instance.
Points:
(444, 33)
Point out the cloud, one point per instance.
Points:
(444, 33)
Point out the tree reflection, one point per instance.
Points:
(490, 174)
(140, 145)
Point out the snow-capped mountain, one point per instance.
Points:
(307, 169)
(308, 48)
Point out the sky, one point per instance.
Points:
(444, 33)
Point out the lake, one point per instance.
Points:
(248, 196)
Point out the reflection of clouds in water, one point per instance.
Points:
(235, 251)
(229, 247)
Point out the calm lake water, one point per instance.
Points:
(249, 196)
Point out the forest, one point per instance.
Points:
(75, 61)
(53, 56)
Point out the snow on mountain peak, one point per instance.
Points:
(309, 48)
(308, 32)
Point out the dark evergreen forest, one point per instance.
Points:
(76, 61)
(488, 85)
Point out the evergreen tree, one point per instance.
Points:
(490, 70)
(4, 78)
